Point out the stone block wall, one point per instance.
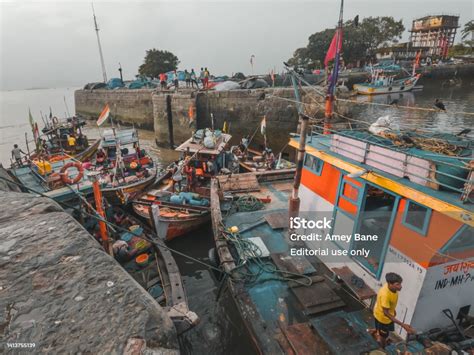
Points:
(126, 106)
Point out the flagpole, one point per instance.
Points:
(335, 72)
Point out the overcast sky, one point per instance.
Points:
(53, 44)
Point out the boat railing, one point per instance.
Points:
(419, 169)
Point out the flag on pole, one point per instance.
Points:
(330, 55)
(32, 121)
(103, 115)
(263, 126)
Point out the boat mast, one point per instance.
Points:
(104, 74)
(335, 72)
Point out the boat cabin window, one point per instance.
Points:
(313, 163)
(376, 217)
(461, 242)
(416, 217)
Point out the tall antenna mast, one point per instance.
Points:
(104, 74)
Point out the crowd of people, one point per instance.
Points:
(191, 79)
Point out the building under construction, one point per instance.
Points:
(436, 32)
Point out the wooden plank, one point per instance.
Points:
(293, 264)
(225, 257)
(300, 339)
(239, 182)
(277, 220)
(362, 291)
(317, 298)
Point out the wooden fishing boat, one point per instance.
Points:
(382, 83)
(152, 265)
(254, 161)
(125, 168)
(170, 219)
(116, 192)
(284, 300)
(54, 178)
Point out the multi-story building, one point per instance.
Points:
(436, 32)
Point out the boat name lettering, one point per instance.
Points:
(464, 266)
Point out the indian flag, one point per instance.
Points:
(103, 115)
(263, 126)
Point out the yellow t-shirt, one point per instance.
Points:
(71, 141)
(385, 299)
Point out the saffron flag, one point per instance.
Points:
(263, 126)
(332, 48)
(103, 115)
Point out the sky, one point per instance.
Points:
(53, 44)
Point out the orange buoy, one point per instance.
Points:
(65, 176)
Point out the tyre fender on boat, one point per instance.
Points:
(214, 261)
(65, 176)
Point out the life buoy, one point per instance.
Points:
(65, 176)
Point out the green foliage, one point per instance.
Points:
(157, 62)
(468, 28)
(460, 49)
(359, 42)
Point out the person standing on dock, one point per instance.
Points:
(176, 80)
(384, 309)
(194, 79)
(206, 78)
(16, 154)
(201, 77)
(187, 78)
(163, 79)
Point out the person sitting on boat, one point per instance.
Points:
(211, 167)
(177, 175)
(269, 159)
(190, 177)
(122, 251)
(384, 309)
(44, 146)
(100, 157)
(71, 141)
(16, 154)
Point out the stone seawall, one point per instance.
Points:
(126, 106)
(62, 294)
(168, 112)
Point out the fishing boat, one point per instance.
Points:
(61, 180)
(206, 145)
(125, 168)
(252, 160)
(56, 133)
(150, 264)
(288, 303)
(382, 82)
(174, 215)
(414, 192)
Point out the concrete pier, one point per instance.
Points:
(61, 293)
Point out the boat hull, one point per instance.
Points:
(170, 228)
(402, 85)
(118, 195)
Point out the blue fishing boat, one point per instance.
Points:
(60, 180)
(288, 303)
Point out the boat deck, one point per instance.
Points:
(276, 285)
(30, 179)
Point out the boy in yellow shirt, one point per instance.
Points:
(384, 310)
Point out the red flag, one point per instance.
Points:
(332, 48)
